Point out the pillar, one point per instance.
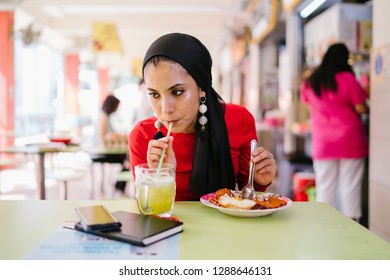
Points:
(7, 100)
(104, 84)
(71, 102)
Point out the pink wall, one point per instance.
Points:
(71, 103)
(7, 100)
(104, 84)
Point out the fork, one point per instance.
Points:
(248, 192)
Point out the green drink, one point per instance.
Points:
(155, 189)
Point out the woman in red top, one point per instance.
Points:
(210, 141)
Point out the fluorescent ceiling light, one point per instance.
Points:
(309, 9)
(139, 9)
(9, 5)
(53, 11)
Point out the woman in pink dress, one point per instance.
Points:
(340, 145)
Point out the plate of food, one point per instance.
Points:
(228, 202)
(60, 139)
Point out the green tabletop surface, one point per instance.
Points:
(41, 148)
(106, 150)
(306, 230)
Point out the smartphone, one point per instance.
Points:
(97, 217)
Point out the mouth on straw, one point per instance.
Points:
(163, 152)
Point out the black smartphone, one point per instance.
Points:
(97, 217)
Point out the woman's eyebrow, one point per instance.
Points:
(151, 89)
(170, 88)
(174, 86)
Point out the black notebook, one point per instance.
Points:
(138, 229)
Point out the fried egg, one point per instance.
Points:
(235, 202)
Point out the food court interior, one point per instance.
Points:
(59, 59)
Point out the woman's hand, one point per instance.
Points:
(155, 149)
(265, 166)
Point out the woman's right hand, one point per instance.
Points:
(155, 150)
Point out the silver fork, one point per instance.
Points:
(248, 192)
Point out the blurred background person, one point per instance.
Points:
(336, 101)
(109, 138)
(106, 132)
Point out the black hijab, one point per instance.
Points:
(212, 166)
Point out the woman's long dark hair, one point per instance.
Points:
(212, 166)
(335, 60)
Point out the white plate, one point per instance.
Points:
(245, 213)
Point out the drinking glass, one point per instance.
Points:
(155, 189)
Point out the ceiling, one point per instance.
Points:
(67, 24)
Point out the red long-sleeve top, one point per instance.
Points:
(241, 130)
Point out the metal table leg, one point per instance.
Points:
(40, 172)
(102, 179)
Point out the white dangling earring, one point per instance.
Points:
(159, 134)
(157, 124)
(203, 109)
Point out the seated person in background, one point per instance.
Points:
(106, 133)
(109, 138)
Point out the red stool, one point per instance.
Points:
(302, 181)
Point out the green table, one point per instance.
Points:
(40, 150)
(306, 230)
(103, 155)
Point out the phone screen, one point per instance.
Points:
(95, 215)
